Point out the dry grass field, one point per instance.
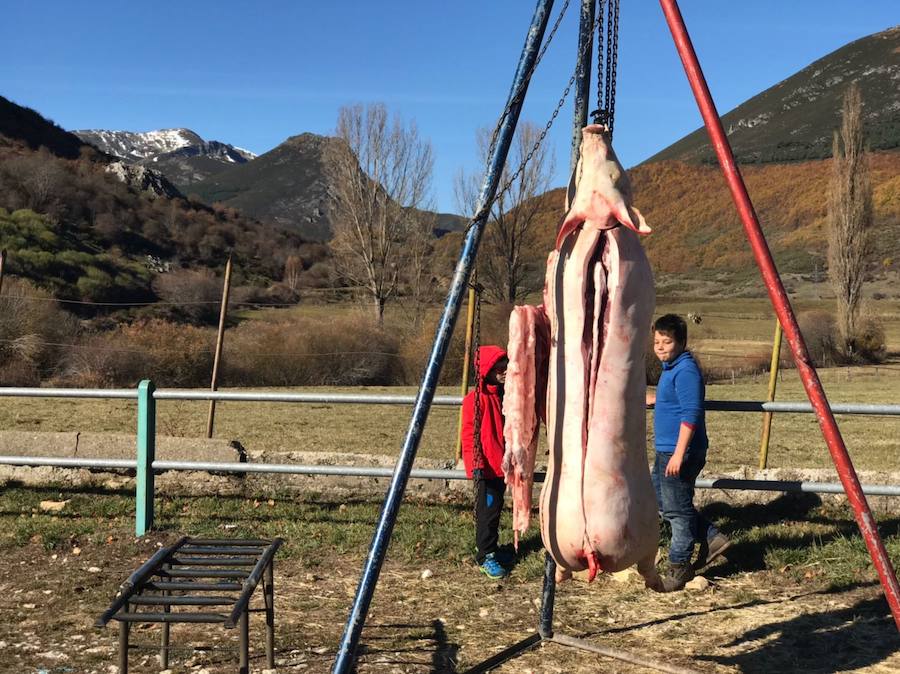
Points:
(874, 442)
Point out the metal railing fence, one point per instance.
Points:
(146, 465)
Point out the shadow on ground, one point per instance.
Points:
(836, 641)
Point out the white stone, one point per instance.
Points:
(698, 583)
(426, 574)
(53, 506)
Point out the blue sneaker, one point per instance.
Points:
(492, 568)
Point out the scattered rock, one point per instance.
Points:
(28, 605)
(76, 551)
(698, 583)
(484, 613)
(94, 569)
(53, 506)
(426, 574)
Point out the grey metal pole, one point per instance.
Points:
(244, 642)
(124, 629)
(220, 340)
(582, 76)
(269, 598)
(347, 648)
(164, 641)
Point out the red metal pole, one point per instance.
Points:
(783, 308)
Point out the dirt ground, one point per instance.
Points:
(448, 620)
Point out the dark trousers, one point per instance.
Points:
(488, 507)
(675, 497)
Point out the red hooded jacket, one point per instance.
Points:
(491, 420)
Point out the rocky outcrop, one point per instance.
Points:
(179, 154)
(146, 180)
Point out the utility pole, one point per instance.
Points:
(2, 263)
(220, 339)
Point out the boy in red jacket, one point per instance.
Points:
(483, 460)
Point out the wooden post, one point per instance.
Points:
(220, 339)
(464, 386)
(773, 382)
(2, 263)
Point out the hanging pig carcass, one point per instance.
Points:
(585, 347)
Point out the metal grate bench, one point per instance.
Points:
(181, 583)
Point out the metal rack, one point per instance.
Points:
(182, 582)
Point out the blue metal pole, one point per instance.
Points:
(346, 654)
(582, 97)
(146, 453)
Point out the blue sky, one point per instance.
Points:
(253, 74)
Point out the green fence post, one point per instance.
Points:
(146, 452)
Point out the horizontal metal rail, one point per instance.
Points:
(328, 398)
(785, 406)
(22, 392)
(437, 474)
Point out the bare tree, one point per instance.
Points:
(849, 218)
(507, 262)
(293, 267)
(382, 184)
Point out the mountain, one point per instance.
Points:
(698, 243)
(291, 185)
(180, 154)
(794, 119)
(25, 126)
(90, 228)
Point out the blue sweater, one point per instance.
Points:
(679, 399)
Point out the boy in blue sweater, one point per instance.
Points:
(679, 424)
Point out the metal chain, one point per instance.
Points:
(606, 76)
(612, 62)
(600, 10)
(477, 449)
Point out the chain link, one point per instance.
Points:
(606, 76)
(477, 449)
(612, 62)
(600, 10)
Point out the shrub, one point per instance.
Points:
(347, 351)
(195, 295)
(819, 332)
(34, 333)
(168, 353)
(869, 340)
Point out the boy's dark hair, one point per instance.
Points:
(674, 325)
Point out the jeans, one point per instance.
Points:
(488, 508)
(675, 497)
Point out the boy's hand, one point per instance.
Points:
(673, 468)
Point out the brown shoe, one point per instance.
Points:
(711, 549)
(677, 577)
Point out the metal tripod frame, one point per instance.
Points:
(344, 661)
